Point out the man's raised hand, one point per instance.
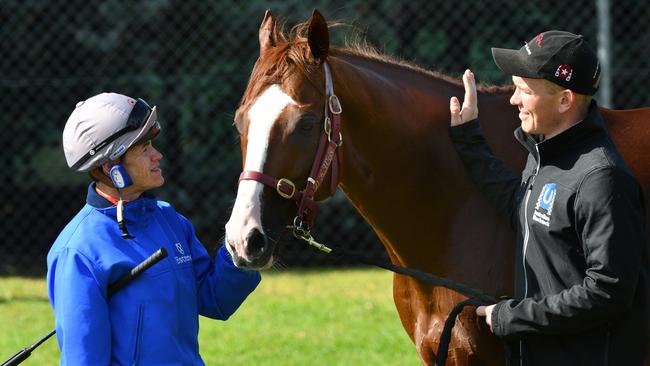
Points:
(469, 110)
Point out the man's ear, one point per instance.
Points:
(567, 100)
(106, 167)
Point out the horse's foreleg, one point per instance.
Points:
(423, 311)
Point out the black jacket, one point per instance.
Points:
(582, 281)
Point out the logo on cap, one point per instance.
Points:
(538, 40)
(527, 49)
(119, 151)
(564, 72)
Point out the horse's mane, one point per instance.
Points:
(291, 51)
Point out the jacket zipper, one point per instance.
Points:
(529, 190)
(526, 235)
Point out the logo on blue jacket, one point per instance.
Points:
(544, 206)
(182, 258)
(179, 247)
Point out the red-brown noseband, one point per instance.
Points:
(329, 153)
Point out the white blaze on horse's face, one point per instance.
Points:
(246, 218)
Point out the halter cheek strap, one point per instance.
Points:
(329, 154)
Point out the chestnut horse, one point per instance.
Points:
(400, 172)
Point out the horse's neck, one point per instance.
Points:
(396, 105)
(396, 120)
(400, 169)
(395, 84)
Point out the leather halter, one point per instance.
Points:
(329, 153)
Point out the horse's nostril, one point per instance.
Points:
(256, 243)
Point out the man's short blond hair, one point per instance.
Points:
(582, 100)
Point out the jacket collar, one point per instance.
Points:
(135, 212)
(593, 124)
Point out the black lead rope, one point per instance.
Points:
(476, 297)
(422, 276)
(445, 336)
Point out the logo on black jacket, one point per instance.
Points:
(544, 206)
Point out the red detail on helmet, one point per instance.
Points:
(538, 40)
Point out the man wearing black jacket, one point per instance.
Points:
(582, 281)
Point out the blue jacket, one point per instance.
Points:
(154, 319)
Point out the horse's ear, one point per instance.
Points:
(267, 32)
(318, 36)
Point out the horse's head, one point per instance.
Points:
(280, 121)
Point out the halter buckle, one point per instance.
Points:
(335, 104)
(328, 131)
(327, 127)
(338, 143)
(287, 182)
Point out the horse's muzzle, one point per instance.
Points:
(257, 251)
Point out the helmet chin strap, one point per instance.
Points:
(120, 219)
(120, 179)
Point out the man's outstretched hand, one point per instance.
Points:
(470, 107)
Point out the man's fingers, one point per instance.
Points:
(480, 311)
(454, 108)
(486, 311)
(470, 108)
(470, 86)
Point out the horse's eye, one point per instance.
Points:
(306, 123)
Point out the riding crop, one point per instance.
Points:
(114, 287)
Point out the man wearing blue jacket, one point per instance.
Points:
(153, 320)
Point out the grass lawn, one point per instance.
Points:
(324, 317)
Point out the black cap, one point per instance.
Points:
(560, 57)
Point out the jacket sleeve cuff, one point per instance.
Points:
(470, 127)
(498, 325)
